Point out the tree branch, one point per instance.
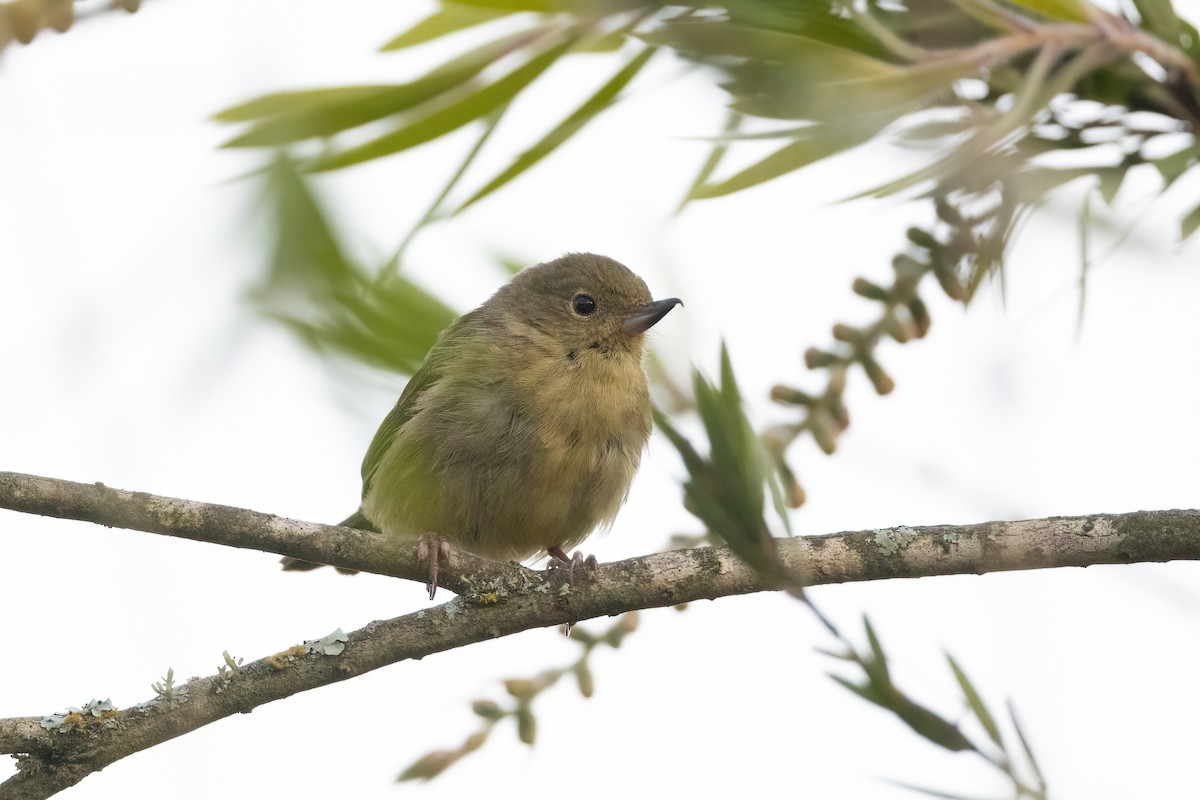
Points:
(501, 599)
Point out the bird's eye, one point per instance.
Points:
(583, 304)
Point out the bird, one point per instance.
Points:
(521, 432)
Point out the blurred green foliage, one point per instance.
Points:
(992, 89)
(878, 686)
(313, 286)
(725, 489)
(989, 83)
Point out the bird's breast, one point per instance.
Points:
(589, 409)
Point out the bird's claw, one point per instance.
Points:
(578, 561)
(435, 550)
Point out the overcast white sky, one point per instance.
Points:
(129, 357)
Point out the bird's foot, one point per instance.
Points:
(435, 550)
(578, 561)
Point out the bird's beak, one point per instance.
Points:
(644, 317)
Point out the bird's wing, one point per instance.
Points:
(428, 375)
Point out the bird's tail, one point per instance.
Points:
(355, 520)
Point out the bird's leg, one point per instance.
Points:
(434, 549)
(559, 560)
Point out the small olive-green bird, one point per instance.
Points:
(521, 432)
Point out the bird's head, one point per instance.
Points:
(582, 304)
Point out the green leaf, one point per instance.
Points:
(692, 459)
(429, 766)
(1037, 771)
(450, 18)
(1070, 10)
(893, 93)
(990, 15)
(933, 727)
(1111, 179)
(821, 142)
(1175, 165)
(716, 39)
(976, 703)
(295, 116)
(449, 117)
(865, 692)
(602, 99)
(725, 489)
(316, 290)
(609, 42)
(434, 212)
(285, 102)
(819, 20)
(307, 255)
(510, 6)
(1085, 263)
(1189, 224)
(937, 129)
(1159, 17)
(879, 659)
(732, 121)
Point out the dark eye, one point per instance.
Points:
(583, 304)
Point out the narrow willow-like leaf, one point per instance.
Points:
(283, 102)
(1085, 259)
(822, 142)
(315, 289)
(1111, 179)
(598, 102)
(989, 14)
(812, 19)
(1033, 763)
(891, 93)
(975, 701)
(933, 727)
(1069, 10)
(747, 460)
(325, 112)
(1173, 166)
(307, 254)
(732, 122)
(725, 489)
(434, 212)
(447, 118)
(879, 658)
(692, 459)
(1159, 17)
(450, 18)
(865, 692)
(609, 42)
(714, 38)
(792, 132)
(1189, 224)
(540, 6)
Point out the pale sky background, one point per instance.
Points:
(130, 357)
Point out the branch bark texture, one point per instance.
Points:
(500, 599)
